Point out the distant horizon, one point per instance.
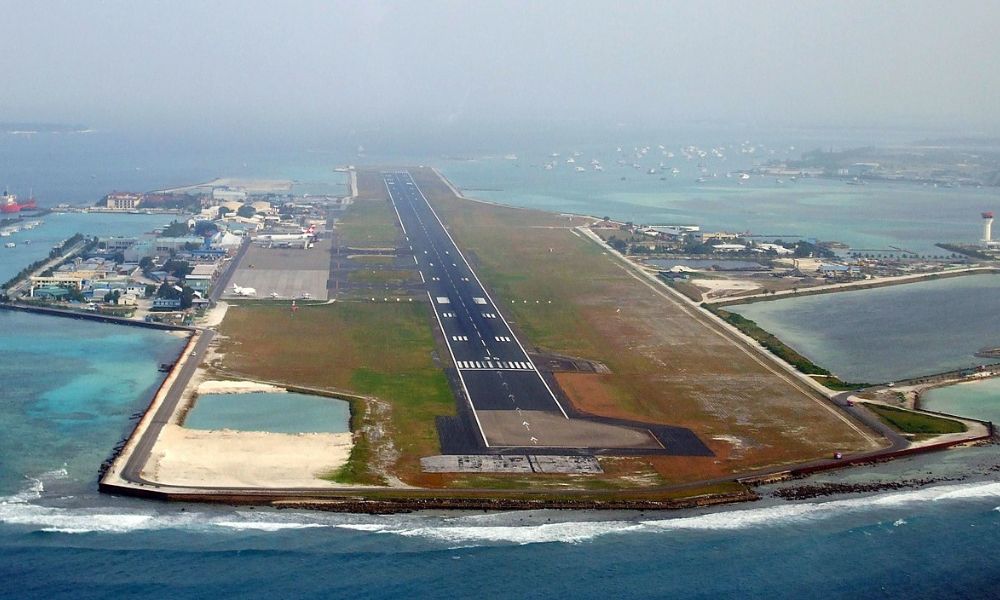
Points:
(256, 66)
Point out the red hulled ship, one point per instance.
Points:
(9, 204)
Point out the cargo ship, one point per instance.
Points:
(10, 205)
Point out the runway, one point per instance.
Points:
(494, 368)
(510, 401)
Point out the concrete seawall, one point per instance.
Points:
(112, 481)
(90, 316)
(854, 286)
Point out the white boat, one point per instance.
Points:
(510, 157)
(580, 169)
(9, 245)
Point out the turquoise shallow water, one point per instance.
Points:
(287, 412)
(67, 390)
(978, 399)
(888, 333)
(878, 216)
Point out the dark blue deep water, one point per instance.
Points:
(68, 390)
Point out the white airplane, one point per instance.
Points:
(285, 237)
(244, 291)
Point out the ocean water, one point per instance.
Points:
(888, 333)
(35, 244)
(68, 389)
(282, 412)
(979, 399)
(882, 217)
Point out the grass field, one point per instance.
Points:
(379, 350)
(908, 421)
(383, 277)
(370, 222)
(567, 296)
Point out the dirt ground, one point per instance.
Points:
(669, 364)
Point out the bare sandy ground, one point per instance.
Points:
(236, 387)
(725, 285)
(228, 458)
(215, 315)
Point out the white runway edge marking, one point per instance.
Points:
(475, 415)
(461, 379)
(398, 218)
(468, 266)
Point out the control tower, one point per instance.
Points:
(987, 227)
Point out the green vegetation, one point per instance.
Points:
(358, 470)
(772, 343)
(386, 277)
(783, 350)
(685, 287)
(383, 351)
(837, 385)
(185, 294)
(176, 229)
(908, 421)
(369, 224)
(965, 250)
(178, 268)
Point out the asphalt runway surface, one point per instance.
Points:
(494, 369)
(510, 402)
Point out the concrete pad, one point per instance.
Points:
(475, 463)
(288, 272)
(565, 464)
(505, 428)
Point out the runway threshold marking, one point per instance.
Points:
(487, 294)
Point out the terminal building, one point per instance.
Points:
(122, 201)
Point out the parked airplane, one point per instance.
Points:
(243, 291)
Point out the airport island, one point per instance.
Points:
(477, 355)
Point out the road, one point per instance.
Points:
(140, 453)
(223, 281)
(493, 367)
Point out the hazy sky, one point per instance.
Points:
(316, 64)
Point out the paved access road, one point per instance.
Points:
(140, 454)
(494, 368)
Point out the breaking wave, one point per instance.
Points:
(463, 530)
